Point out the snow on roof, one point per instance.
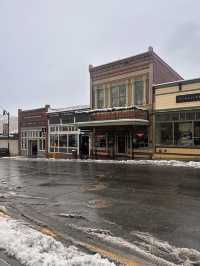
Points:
(114, 109)
(71, 108)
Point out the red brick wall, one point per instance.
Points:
(32, 119)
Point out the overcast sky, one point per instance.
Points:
(47, 45)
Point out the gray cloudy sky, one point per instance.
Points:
(47, 45)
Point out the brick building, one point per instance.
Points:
(121, 99)
(33, 132)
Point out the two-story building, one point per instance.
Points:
(120, 122)
(177, 120)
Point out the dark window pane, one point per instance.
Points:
(198, 115)
(82, 117)
(54, 120)
(73, 140)
(164, 133)
(174, 116)
(182, 116)
(190, 115)
(163, 117)
(67, 118)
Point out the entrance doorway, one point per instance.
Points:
(84, 146)
(121, 144)
(33, 148)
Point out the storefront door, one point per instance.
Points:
(121, 144)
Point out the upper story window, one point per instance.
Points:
(118, 95)
(139, 92)
(99, 98)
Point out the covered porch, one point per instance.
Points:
(118, 134)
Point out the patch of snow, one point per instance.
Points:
(111, 109)
(71, 215)
(32, 248)
(68, 109)
(173, 163)
(148, 247)
(151, 244)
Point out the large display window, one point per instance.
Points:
(180, 129)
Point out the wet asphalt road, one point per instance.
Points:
(161, 201)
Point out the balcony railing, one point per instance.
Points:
(111, 114)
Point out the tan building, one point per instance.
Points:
(177, 120)
(13, 145)
(121, 105)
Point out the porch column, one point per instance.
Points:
(131, 144)
(93, 152)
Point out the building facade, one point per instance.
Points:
(65, 138)
(13, 145)
(177, 120)
(121, 105)
(33, 132)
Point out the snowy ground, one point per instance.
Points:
(33, 248)
(173, 163)
(150, 248)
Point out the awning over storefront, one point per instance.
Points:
(118, 122)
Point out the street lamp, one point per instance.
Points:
(8, 115)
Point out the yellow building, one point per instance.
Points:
(177, 120)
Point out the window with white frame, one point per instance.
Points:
(138, 92)
(36, 134)
(64, 138)
(99, 98)
(118, 95)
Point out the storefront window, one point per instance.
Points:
(178, 131)
(62, 140)
(183, 134)
(164, 133)
(197, 133)
(73, 140)
(53, 140)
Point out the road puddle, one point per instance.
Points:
(99, 204)
(97, 187)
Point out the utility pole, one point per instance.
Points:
(8, 115)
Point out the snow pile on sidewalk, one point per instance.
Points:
(33, 248)
(174, 163)
(148, 247)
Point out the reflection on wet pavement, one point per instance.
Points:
(162, 202)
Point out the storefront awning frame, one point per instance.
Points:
(118, 122)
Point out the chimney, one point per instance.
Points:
(150, 49)
(90, 67)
